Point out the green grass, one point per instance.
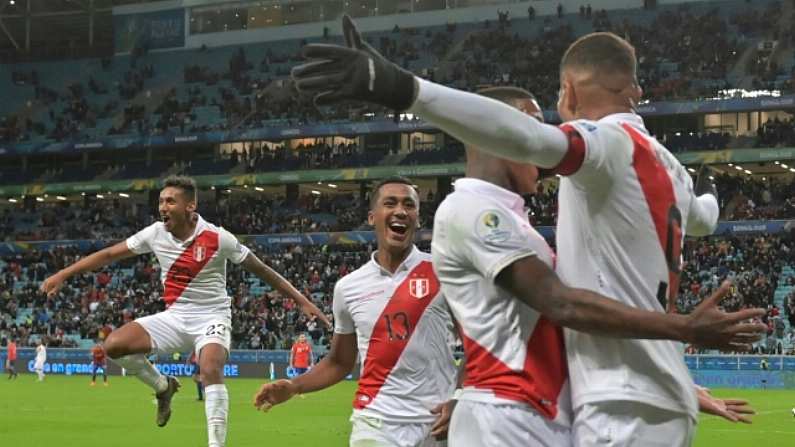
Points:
(66, 412)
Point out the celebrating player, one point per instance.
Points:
(625, 203)
(99, 361)
(486, 253)
(392, 311)
(41, 358)
(301, 357)
(192, 254)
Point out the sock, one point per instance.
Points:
(41, 374)
(137, 365)
(216, 406)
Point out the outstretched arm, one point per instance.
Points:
(332, 369)
(531, 281)
(99, 259)
(254, 265)
(490, 125)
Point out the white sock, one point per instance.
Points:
(216, 406)
(138, 365)
(41, 374)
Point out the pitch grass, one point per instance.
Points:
(66, 412)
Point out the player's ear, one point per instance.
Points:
(370, 218)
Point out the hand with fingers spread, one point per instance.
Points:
(353, 72)
(274, 393)
(734, 410)
(711, 328)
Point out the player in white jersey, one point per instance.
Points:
(486, 254)
(392, 311)
(41, 358)
(192, 254)
(623, 209)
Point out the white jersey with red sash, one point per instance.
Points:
(193, 271)
(404, 332)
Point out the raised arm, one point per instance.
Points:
(254, 265)
(358, 72)
(96, 260)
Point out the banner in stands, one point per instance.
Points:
(366, 237)
(149, 31)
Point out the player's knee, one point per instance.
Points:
(114, 348)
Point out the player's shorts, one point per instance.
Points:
(299, 371)
(370, 431)
(102, 365)
(481, 424)
(38, 365)
(631, 424)
(178, 332)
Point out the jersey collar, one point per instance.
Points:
(405, 265)
(200, 226)
(633, 119)
(508, 198)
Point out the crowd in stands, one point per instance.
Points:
(691, 59)
(754, 265)
(741, 198)
(90, 306)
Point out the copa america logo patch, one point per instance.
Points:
(199, 252)
(419, 288)
(492, 227)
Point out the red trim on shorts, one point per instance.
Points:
(186, 267)
(393, 330)
(659, 194)
(540, 381)
(575, 155)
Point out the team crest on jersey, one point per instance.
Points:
(419, 288)
(199, 252)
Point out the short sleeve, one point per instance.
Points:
(233, 250)
(141, 242)
(343, 321)
(491, 239)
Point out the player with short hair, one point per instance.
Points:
(99, 361)
(41, 358)
(301, 357)
(625, 203)
(11, 359)
(486, 253)
(390, 309)
(192, 254)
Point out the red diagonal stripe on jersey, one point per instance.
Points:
(393, 330)
(187, 266)
(659, 193)
(541, 380)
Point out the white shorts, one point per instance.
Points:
(178, 332)
(39, 364)
(631, 424)
(481, 424)
(370, 431)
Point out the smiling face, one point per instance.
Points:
(395, 214)
(175, 208)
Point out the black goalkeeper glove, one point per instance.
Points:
(703, 183)
(357, 72)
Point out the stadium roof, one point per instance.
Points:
(56, 29)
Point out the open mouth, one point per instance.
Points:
(165, 219)
(399, 228)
